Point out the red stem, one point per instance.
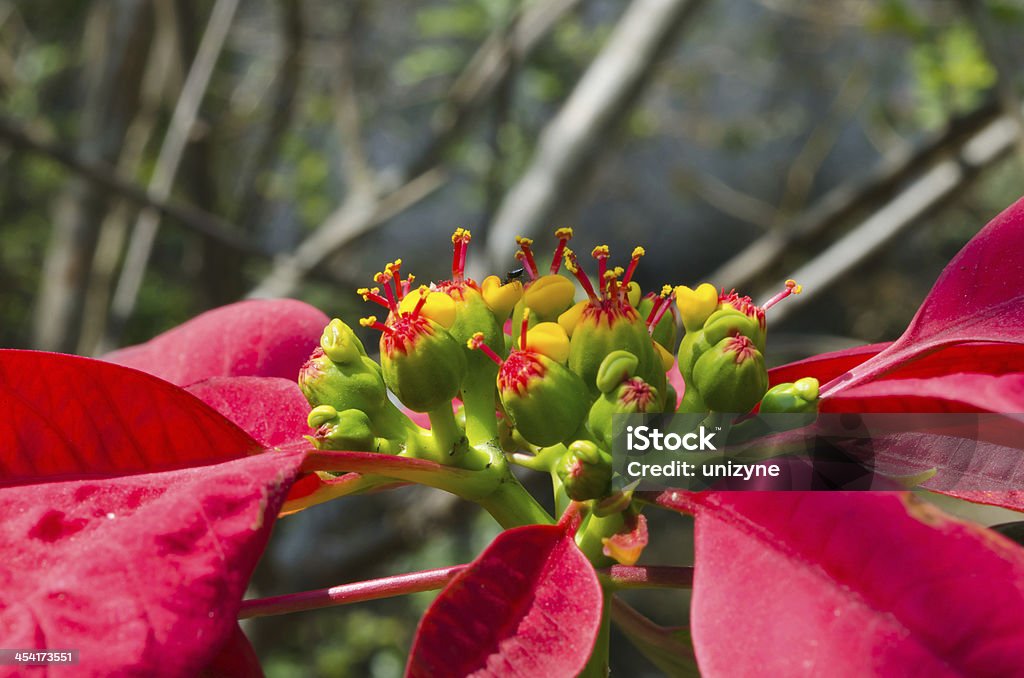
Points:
(650, 576)
(387, 587)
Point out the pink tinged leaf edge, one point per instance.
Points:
(529, 605)
(978, 297)
(143, 574)
(257, 337)
(850, 584)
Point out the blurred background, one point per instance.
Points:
(162, 157)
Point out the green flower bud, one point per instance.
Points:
(348, 430)
(585, 471)
(607, 323)
(422, 364)
(799, 396)
(354, 383)
(544, 401)
(731, 376)
(621, 393)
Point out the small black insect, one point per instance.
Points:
(513, 275)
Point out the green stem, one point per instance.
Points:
(478, 398)
(511, 505)
(593, 531)
(445, 431)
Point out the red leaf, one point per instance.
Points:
(529, 605)
(850, 584)
(143, 574)
(66, 416)
(978, 297)
(270, 409)
(956, 392)
(260, 337)
(824, 367)
(236, 659)
(978, 358)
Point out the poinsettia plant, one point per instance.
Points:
(138, 492)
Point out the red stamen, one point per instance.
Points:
(791, 288)
(384, 279)
(660, 307)
(407, 284)
(460, 239)
(573, 264)
(373, 295)
(601, 254)
(379, 326)
(564, 235)
(477, 342)
(422, 300)
(523, 327)
(611, 279)
(395, 268)
(526, 256)
(637, 253)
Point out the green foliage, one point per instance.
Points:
(951, 73)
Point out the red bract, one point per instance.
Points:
(529, 605)
(270, 409)
(978, 298)
(66, 416)
(963, 352)
(849, 584)
(263, 337)
(143, 574)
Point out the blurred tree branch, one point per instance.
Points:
(942, 181)
(840, 204)
(574, 139)
(363, 210)
(281, 102)
(140, 245)
(110, 180)
(113, 32)
(114, 228)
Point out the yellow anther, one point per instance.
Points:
(475, 341)
(461, 235)
(368, 321)
(565, 232)
(794, 287)
(666, 291)
(599, 251)
(568, 256)
(364, 292)
(521, 241)
(638, 252)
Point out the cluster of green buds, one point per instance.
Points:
(516, 369)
